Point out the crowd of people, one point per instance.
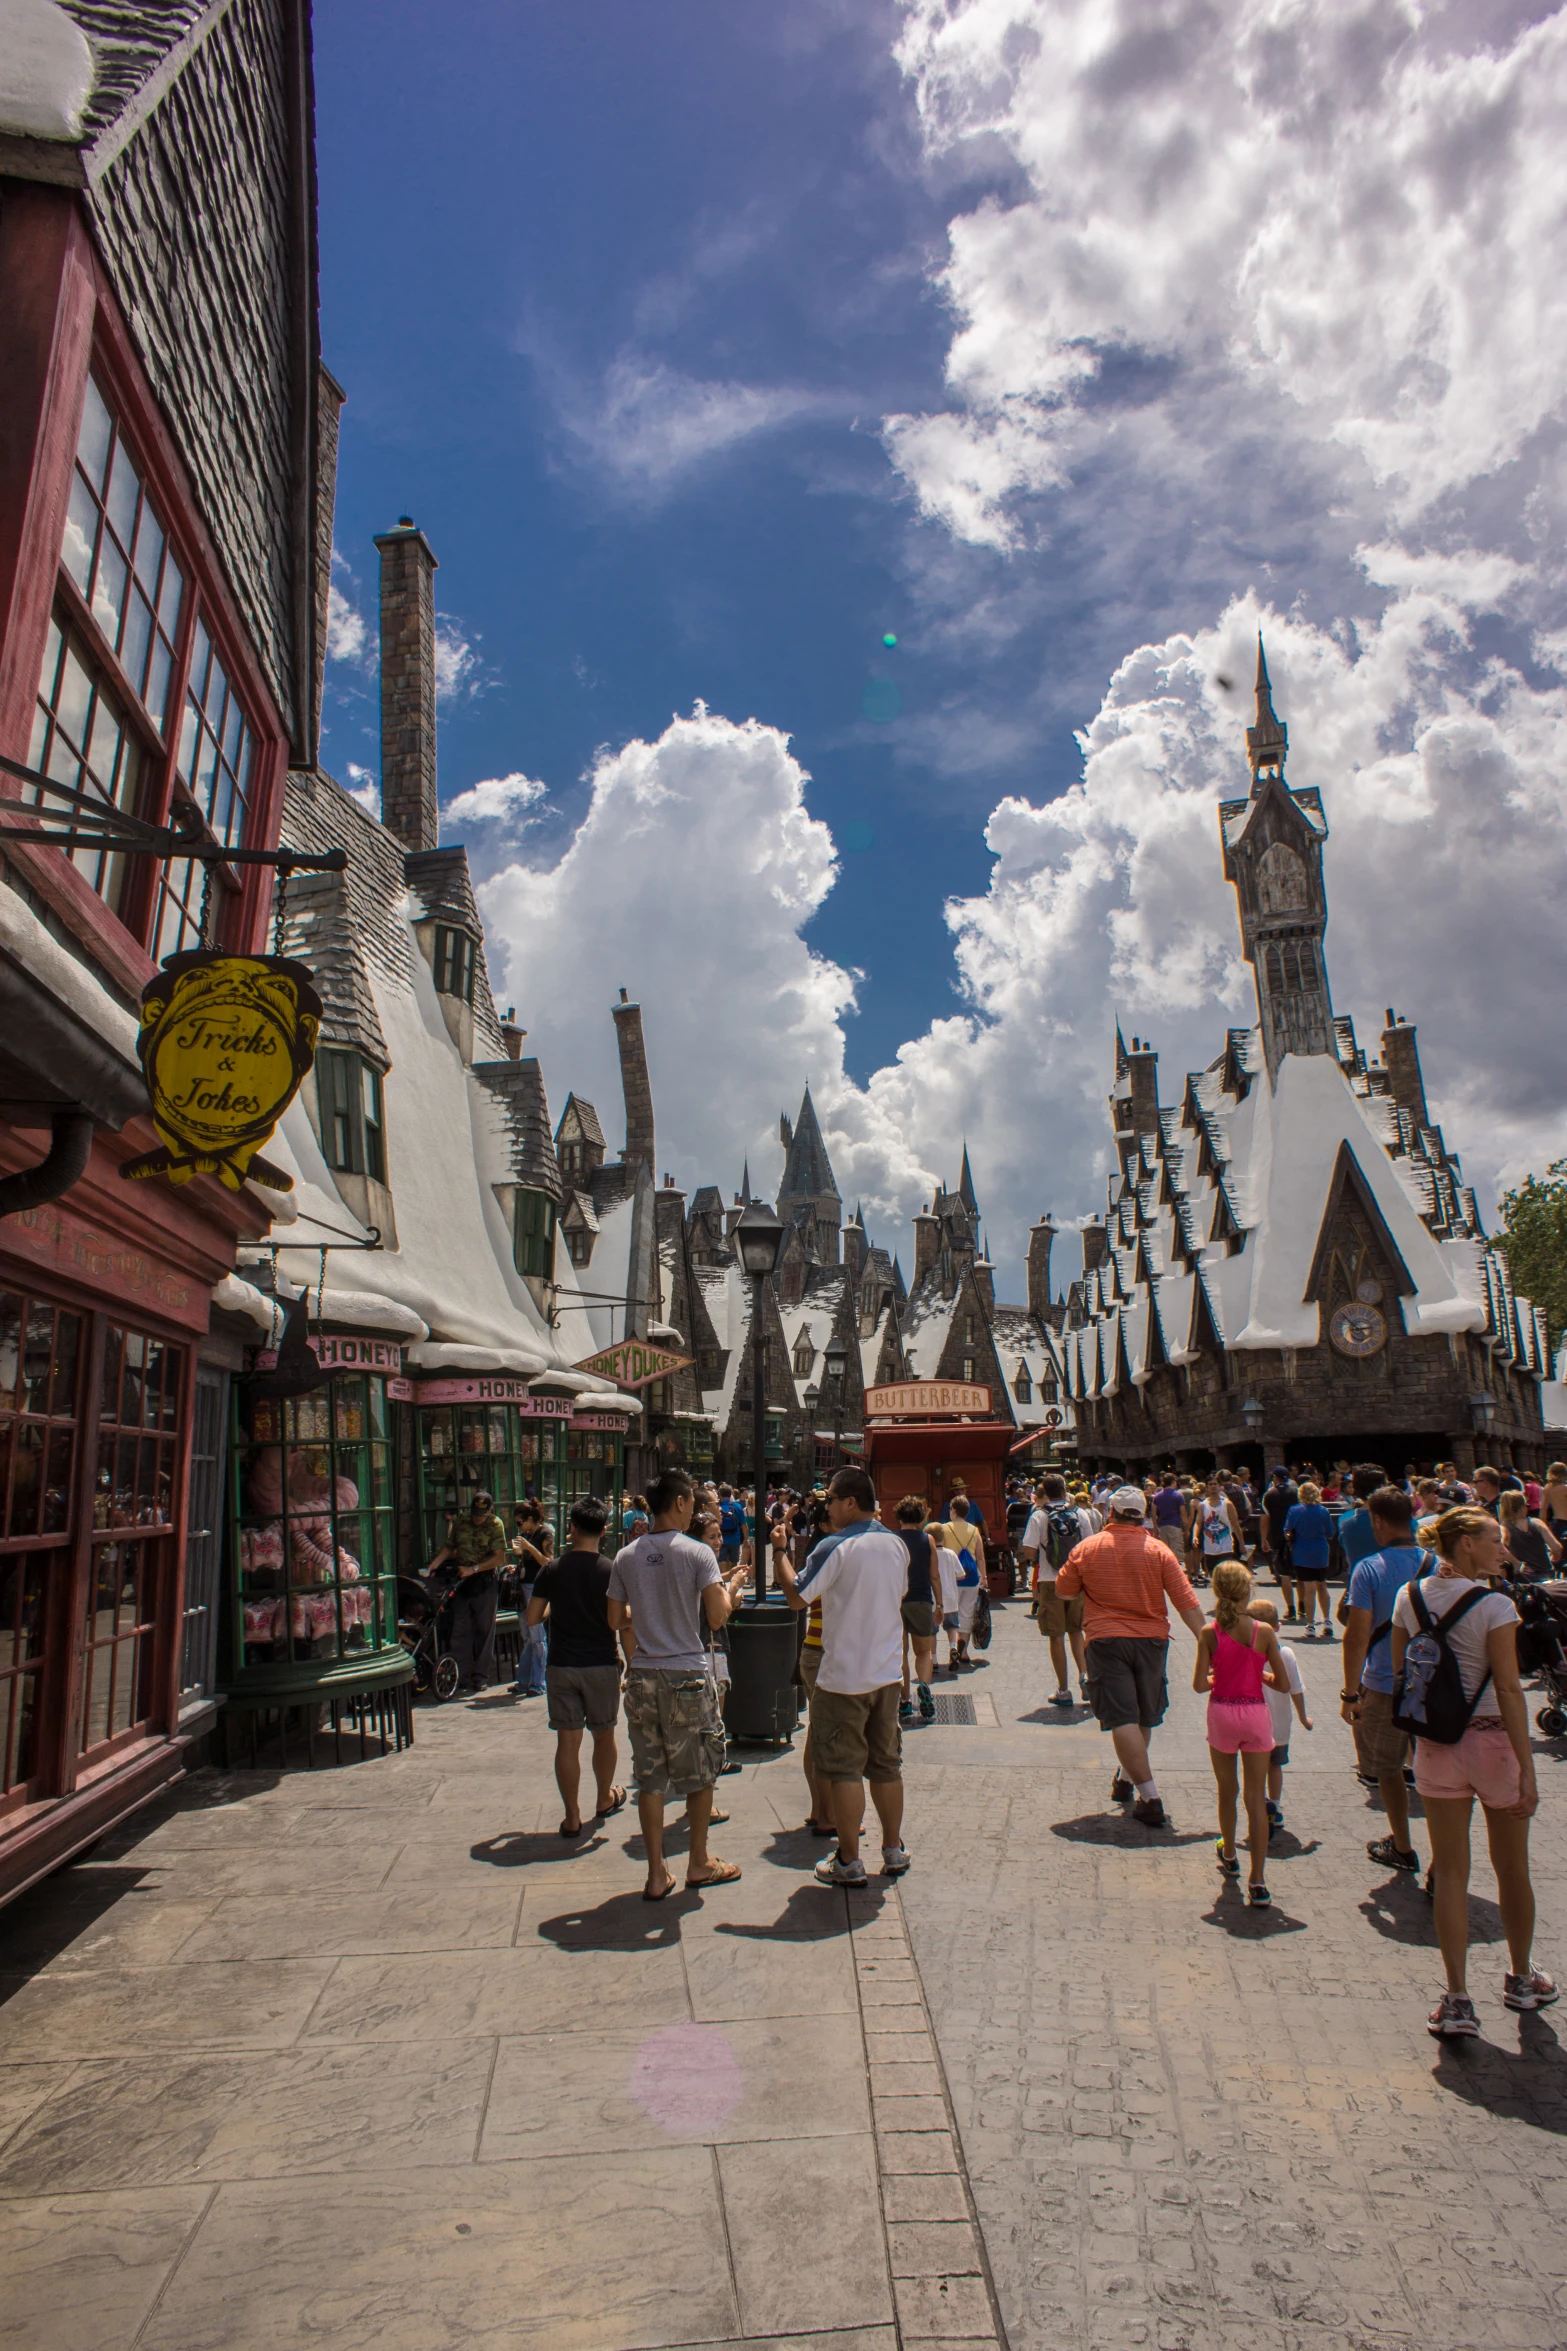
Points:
(1431, 1691)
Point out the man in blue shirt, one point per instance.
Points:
(731, 1525)
(1357, 1537)
(1381, 1749)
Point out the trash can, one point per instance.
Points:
(761, 1707)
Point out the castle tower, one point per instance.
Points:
(808, 1194)
(1273, 855)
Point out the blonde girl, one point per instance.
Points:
(1237, 1656)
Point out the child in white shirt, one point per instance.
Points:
(1280, 1703)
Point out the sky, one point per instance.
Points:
(862, 441)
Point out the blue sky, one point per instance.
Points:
(1068, 341)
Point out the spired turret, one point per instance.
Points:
(1273, 855)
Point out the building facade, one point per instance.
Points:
(1291, 1265)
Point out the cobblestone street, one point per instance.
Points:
(371, 2056)
(1188, 2126)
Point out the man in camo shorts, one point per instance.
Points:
(666, 1592)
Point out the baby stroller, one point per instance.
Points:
(424, 1619)
(1543, 1611)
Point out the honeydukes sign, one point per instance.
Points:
(634, 1363)
(225, 1043)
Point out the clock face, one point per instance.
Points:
(1358, 1330)
(1370, 1293)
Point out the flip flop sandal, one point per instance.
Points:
(566, 1832)
(820, 1828)
(715, 1816)
(664, 1897)
(722, 1873)
(617, 1803)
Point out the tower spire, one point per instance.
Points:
(1268, 741)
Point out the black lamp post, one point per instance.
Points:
(835, 1363)
(759, 1237)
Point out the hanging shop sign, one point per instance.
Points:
(917, 1399)
(225, 1043)
(497, 1389)
(633, 1363)
(335, 1354)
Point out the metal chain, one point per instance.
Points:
(321, 1283)
(280, 903)
(206, 908)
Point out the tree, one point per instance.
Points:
(1534, 1227)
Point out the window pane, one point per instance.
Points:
(75, 699)
(138, 636)
(149, 548)
(173, 593)
(124, 490)
(81, 533)
(157, 695)
(108, 596)
(92, 449)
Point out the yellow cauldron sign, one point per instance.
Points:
(225, 1041)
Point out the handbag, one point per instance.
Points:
(979, 1632)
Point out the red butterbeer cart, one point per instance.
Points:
(928, 1437)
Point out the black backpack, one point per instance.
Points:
(1428, 1694)
(1066, 1532)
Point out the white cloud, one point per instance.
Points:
(500, 800)
(365, 787)
(349, 636)
(650, 425)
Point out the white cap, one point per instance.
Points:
(1128, 1502)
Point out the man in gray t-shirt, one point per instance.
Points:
(666, 1593)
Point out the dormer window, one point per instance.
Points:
(353, 1132)
(533, 1246)
(804, 1356)
(1048, 1392)
(1023, 1386)
(456, 963)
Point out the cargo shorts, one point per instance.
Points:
(676, 1730)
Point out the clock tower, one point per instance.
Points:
(1273, 855)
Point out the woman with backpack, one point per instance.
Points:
(1456, 1690)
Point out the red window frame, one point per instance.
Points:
(90, 338)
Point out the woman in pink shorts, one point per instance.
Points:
(1491, 1761)
(1236, 1655)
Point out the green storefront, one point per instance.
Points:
(496, 1434)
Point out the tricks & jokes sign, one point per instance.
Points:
(225, 1044)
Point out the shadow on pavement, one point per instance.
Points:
(1400, 1911)
(810, 1915)
(1284, 1845)
(621, 1922)
(521, 1848)
(1526, 2084)
(1066, 1717)
(1102, 1828)
(1230, 1911)
(46, 1920)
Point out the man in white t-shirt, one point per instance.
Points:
(859, 1572)
(1052, 1533)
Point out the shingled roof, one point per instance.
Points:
(519, 1087)
(319, 928)
(807, 1171)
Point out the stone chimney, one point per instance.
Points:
(1039, 1239)
(854, 1249)
(1096, 1245)
(329, 401)
(511, 1035)
(985, 1282)
(1401, 1060)
(1142, 1067)
(408, 803)
(927, 1245)
(634, 1084)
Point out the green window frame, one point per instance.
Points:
(353, 1124)
(456, 963)
(533, 1244)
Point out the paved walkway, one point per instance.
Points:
(1197, 2128)
(373, 2057)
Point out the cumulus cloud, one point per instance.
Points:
(349, 636)
(500, 800)
(651, 425)
(365, 787)
(459, 670)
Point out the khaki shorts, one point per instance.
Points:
(810, 1667)
(677, 1732)
(1379, 1747)
(1058, 1616)
(855, 1736)
(582, 1697)
(919, 1618)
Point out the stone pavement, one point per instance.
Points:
(1197, 2128)
(374, 2057)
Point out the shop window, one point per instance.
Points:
(353, 1132)
(40, 1353)
(132, 1540)
(314, 1525)
(534, 1240)
(117, 552)
(456, 963)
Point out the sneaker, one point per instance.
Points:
(1258, 1898)
(1328, 1633)
(907, 1711)
(1229, 1863)
(1062, 1698)
(833, 1870)
(1121, 1790)
(1275, 1811)
(1453, 2018)
(1387, 1855)
(1292, 1618)
(927, 1703)
(1533, 1990)
(895, 1860)
(1150, 1812)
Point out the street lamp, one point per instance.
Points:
(835, 1363)
(1482, 1410)
(759, 1237)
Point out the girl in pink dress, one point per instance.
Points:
(1236, 1655)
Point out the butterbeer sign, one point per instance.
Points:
(225, 1043)
(918, 1399)
(634, 1363)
